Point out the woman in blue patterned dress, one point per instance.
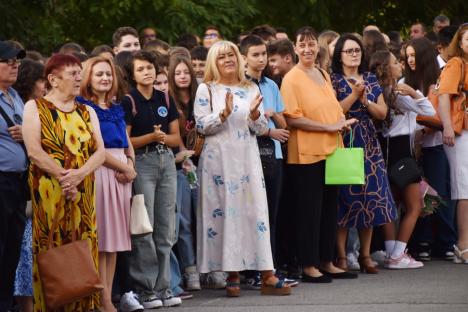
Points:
(361, 206)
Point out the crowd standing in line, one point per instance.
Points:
(251, 206)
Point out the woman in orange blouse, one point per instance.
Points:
(315, 118)
(456, 148)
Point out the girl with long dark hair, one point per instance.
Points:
(404, 103)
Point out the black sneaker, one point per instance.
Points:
(423, 252)
(255, 282)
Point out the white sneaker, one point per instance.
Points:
(129, 303)
(192, 278)
(152, 303)
(405, 261)
(214, 280)
(171, 301)
(353, 264)
(379, 257)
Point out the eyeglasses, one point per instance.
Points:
(208, 36)
(11, 62)
(352, 51)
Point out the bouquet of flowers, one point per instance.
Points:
(430, 199)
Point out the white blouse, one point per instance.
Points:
(405, 123)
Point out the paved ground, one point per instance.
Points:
(439, 287)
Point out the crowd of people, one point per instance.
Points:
(228, 144)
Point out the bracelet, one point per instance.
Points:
(268, 132)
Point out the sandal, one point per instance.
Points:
(458, 255)
(366, 267)
(342, 263)
(233, 288)
(279, 289)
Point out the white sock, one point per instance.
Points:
(389, 246)
(398, 250)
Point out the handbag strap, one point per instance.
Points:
(211, 96)
(55, 224)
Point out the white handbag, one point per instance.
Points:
(139, 221)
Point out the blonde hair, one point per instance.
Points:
(85, 88)
(212, 73)
(326, 37)
(454, 47)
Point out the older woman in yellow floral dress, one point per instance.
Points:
(64, 144)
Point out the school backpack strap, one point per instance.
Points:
(134, 110)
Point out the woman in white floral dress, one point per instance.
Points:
(232, 221)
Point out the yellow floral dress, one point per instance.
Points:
(67, 138)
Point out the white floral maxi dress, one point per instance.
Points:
(232, 216)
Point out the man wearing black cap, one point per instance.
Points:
(13, 164)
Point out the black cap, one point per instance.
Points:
(7, 51)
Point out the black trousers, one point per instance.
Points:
(315, 208)
(286, 254)
(12, 222)
(273, 175)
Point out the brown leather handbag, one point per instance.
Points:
(67, 272)
(457, 108)
(194, 140)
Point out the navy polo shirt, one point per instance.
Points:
(150, 112)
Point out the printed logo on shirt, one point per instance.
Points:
(162, 111)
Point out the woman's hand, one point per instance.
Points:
(187, 165)
(343, 124)
(182, 155)
(405, 89)
(254, 105)
(357, 88)
(159, 136)
(71, 194)
(121, 178)
(130, 173)
(71, 179)
(229, 105)
(448, 136)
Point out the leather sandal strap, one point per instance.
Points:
(232, 284)
(280, 283)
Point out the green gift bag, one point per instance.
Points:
(345, 166)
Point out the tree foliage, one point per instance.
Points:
(46, 24)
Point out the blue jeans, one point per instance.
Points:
(437, 173)
(176, 278)
(186, 206)
(149, 260)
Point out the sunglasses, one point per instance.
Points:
(352, 51)
(11, 62)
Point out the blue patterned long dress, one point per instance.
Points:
(371, 204)
(232, 214)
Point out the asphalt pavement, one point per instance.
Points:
(440, 286)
